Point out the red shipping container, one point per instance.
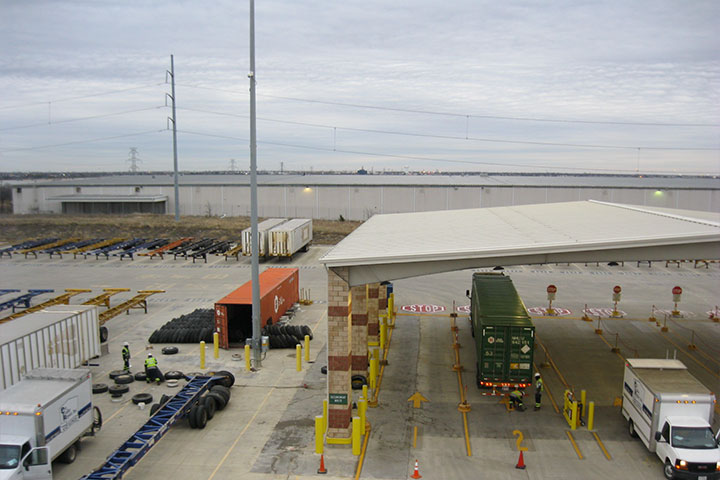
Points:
(279, 290)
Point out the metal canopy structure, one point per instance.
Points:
(395, 246)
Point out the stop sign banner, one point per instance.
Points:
(677, 290)
(551, 289)
(617, 289)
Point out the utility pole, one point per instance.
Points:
(133, 159)
(255, 259)
(174, 124)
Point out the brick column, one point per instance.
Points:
(373, 329)
(339, 357)
(359, 320)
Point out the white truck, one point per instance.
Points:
(290, 237)
(263, 229)
(672, 413)
(43, 418)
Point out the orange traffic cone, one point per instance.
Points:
(416, 473)
(322, 465)
(521, 462)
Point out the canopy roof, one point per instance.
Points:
(393, 246)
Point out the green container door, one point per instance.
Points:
(507, 354)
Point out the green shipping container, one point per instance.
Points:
(504, 332)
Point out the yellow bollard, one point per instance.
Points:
(356, 436)
(247, 358)
(325, 414)
(298, 357)
(383, 333)
(319, 433)
(362, 408)
(574, 417)
(391, 306)
(364, 391)
(307, 348)
(591, 415)
(584, 403)
(374, 365)
(202, 355)
(216, 345)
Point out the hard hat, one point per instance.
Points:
(537, 375)
(149, 355)
(126, 344)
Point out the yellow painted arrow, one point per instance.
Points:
(417, 398)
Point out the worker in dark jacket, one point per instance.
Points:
(538, 390)
(126, 357)
(516, 400)
(152, 371)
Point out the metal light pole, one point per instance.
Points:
(174, 122)
(255, 275)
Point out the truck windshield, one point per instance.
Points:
(9, 456)
(688, 437)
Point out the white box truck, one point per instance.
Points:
(263, 229)
(672, 413)
(291, 237)
(43, 418)
(61, 336)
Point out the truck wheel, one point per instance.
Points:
(191, 416)
(142, 398)
(104, 334)
(219, 400)
(201, 416)
(116, 373)
(69, 455)
(97, 420)
(222, 389)
(99, 388)
(170, 350)
(631, 429)
(164, 399)
(154, 408)
(124, 379)
(118, 389)
(209, 404)
(140, 376)
(229, 379)
(174, 375)
(668, 470)
(223, 393)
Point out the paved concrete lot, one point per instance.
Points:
(267, 430)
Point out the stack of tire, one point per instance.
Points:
(214, 400)
(286, 336)
(191, 328)
(122, 380)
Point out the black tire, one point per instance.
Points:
(97, 420)
(116, 373)
(174, 375)
(140, 377)
(142, 398)
(323, 369)
(104, 334)
(307, 331)
(99, 387)
(154, 408)
(170, 350)
(357, 382)
(210, 406)
(69, 455)
(118, 389)
(220, 402)
(164, 399)
(223, 393)
(668, 470)
(124, 379)
(221, 388)
(191, 416)
(631, 429)
(229, 378)
(201, 416)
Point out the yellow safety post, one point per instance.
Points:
(356, 435)
(216, 345)
(307, 348)
(574, 413)
(202, 355)
(298, 357)
(364, 391)
(583, 397)
(374, 367)
(247, 358)
(570, 410)
(383, 333)
(362, 409)
(319, 434)
(591, 415)
(391, 306)
(325, 414)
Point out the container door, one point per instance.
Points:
(37, 464)
(494, 348)
(221, 326)
(520, 354)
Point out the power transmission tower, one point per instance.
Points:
(233, 168)
(134, 159)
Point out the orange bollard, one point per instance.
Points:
(322, 465)
(416, 473)
(521, 462)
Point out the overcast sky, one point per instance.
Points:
(616, 86)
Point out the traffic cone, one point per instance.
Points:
(521, 462)
(416, 473)
(322, 465)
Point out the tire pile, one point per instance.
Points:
(191, 328)
(286, 336)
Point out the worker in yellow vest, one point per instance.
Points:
(152, 372)
(538, 390)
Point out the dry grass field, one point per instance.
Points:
(17, 228)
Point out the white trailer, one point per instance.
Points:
(44, 417)
(291, 237)
(672, 413)
(61, 336)
(263, 228)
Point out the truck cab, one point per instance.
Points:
(20, 459)
(688, 448)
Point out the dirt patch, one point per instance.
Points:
(18, 228)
